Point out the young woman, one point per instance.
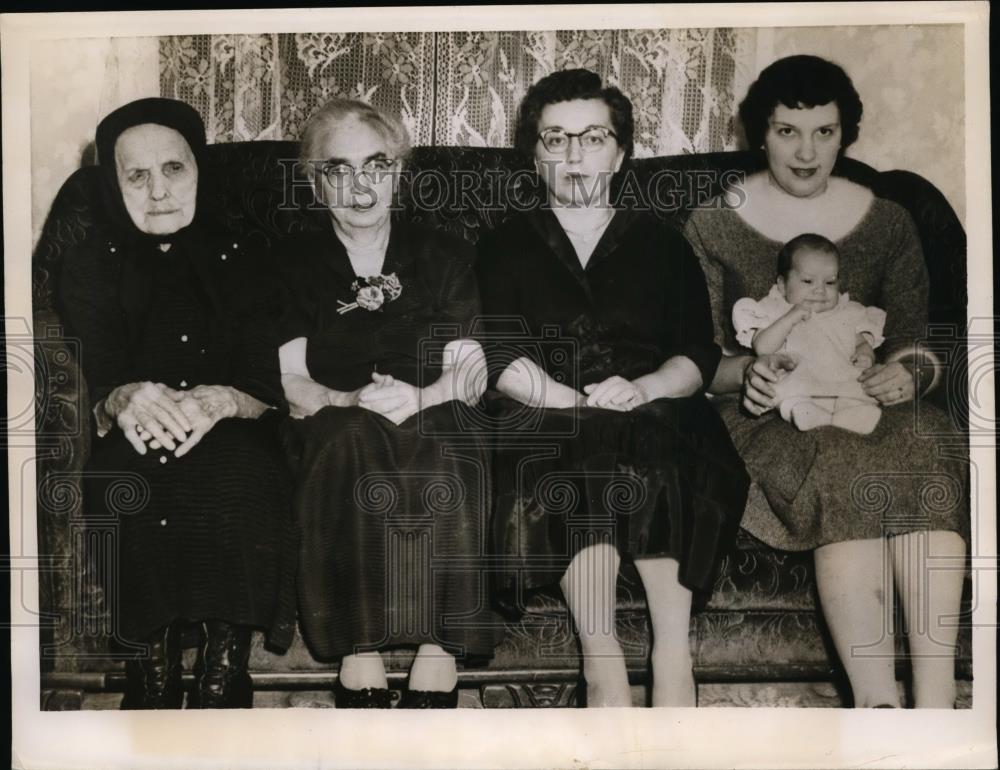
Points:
(803, 112)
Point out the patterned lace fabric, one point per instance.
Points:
(462, 88)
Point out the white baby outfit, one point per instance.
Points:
(823, 346)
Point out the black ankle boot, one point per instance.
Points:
(154, 682)
(221, 677)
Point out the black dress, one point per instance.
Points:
(393, 517)
(209, 535)
(660, 480)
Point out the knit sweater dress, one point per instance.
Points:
(830, 485)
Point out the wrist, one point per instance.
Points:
(109, 406)
(104, 422)
(432, 395)
(329, 397)
(235, 405)
(563, 397)
(647, 387)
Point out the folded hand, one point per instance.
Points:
(393, 399)
(614, 393)
(148, 409)
(202, 406)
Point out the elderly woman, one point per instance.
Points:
(380, 373)
(605, 362)
(803, 112)
(180, 358)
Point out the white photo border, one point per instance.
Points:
(468, 738)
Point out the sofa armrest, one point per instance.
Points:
(62, 447)
(62, 405)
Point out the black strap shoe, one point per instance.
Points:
(430, 699)
(365, 698)
(154, 682)
(221, 677)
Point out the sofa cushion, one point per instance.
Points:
(760, 623)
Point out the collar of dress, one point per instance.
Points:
(548, 228)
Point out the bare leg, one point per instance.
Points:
(589, 587)
(433, 670)
(855, 588)
(670, 614)
(364, 669)
(931, 602)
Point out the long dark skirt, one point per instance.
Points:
(206, 536)
(661, 480)
(393, 521)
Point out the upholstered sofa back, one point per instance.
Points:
(257, 193)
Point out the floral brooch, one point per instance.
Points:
(372, 292)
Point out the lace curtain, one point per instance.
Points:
(462, 88)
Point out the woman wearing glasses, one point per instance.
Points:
(378, 369)
(604, 350)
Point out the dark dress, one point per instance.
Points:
(209, 535)
(660, 480)
(393, 517)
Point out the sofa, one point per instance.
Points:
(761, 639)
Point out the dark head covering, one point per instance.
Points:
(181, 117)
(145, 264)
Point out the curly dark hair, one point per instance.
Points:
(811, 241)
(565, 86)
(800, 81)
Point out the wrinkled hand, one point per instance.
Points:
(203, 406)
(148, 409)
(758, 381)
(393, 399)
(864, 356)
(614, 393)
(888, 384)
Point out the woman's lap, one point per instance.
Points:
(830, 485)
(660, 480)
(206, 535)
(389, 515)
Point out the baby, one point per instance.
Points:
(831, 338)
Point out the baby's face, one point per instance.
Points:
(812, 281)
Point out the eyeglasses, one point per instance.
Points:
(591, 139)
(341, 174)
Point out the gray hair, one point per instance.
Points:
(337, 110)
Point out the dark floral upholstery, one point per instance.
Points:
(762, 622)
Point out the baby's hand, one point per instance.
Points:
(864, 356)
(800, 313)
